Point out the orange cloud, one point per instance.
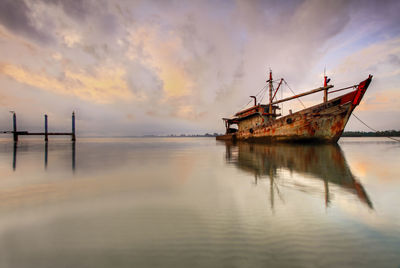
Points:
(164, 53)
(6, 35)
(104, 86)
(388, 100)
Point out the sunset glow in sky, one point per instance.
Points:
(171, 67)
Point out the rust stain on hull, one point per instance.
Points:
(303, 126)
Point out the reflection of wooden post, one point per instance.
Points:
(15, 127)
(73, 127)
(46, 137)
(15, 156)
(73, 157)
(327, 198)
(45, 154)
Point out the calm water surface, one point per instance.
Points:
(195, 202)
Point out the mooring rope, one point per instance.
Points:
(373, 128)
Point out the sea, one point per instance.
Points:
(198, 202)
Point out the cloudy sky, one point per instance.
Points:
(162, 67)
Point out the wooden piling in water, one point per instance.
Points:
(73, 127)
(46, 136)
(46, 132)
(15, 134)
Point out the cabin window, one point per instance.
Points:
(289, 120)
(251, 130)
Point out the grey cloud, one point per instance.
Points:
(77, 9)
(394, 59)
(15, 15)
(87, 11)
(143, 80)
(92, 50)
(108, 24)
(387, 10)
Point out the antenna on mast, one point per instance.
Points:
(326, 81)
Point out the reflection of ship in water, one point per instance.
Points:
(324, 162)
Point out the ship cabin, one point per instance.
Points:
(247, 119)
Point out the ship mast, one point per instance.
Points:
(271, 88)
(326, 81)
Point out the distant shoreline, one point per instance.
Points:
(386, 133)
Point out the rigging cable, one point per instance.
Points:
(282, 102)
(263, 95)
(294, 93)
(373, 128)
(252, 100)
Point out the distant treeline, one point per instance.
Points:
(386, 133)
(184, 135)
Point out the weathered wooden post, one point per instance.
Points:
(15, 127)
(46, 136)
(73, 127)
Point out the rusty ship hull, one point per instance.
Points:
(324, 122)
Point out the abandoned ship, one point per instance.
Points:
(323, 122)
